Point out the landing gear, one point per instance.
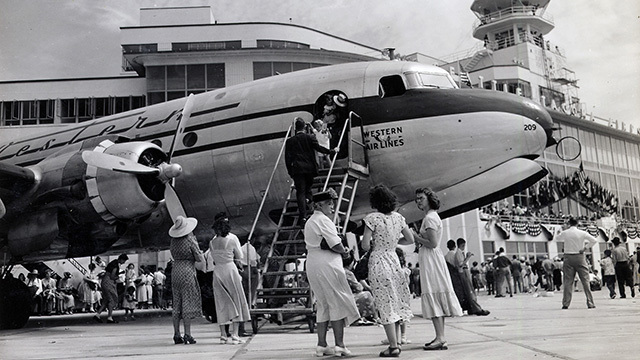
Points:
(15, 303)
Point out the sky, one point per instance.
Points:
(81, 38)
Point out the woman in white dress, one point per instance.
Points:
(334, 301)
(438, 297)
(228, 292)
(383, 231)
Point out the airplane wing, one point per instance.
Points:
(14, 181)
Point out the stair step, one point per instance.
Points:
(274, 273)
(286, 257)
(281, 289)
(290, 242)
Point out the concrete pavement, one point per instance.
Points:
(522, 327)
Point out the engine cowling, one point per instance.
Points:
(123, 196)
(76, 209)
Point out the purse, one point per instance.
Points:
(361, 271)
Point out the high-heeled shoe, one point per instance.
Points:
(391, 352)
(436, 346)
(178, 340)
(341, 351)
(323, 350)
(234, 340)
(188, 339)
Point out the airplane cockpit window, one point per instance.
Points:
(422, 80)
(391, 86)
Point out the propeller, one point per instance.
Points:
(166, 171)
(186, 114)
(116, 163)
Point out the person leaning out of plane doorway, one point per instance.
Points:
(576, 241)
(300, 158)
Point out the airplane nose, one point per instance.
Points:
(540, 115)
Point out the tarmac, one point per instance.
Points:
(522, 327)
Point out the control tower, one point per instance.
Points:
(515, 56)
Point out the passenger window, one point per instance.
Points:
(391, 86)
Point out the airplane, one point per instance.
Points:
(114, 184)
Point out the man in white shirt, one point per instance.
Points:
(576, 241)
(158, 288)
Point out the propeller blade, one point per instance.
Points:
(174, 205)
(116, 163)
(186, 114)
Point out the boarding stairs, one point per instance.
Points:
(285, 295)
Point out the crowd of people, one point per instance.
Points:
(104, 286)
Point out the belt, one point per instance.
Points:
(622, 262)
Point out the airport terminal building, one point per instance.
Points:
(181, 50)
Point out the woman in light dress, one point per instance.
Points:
(438, 297)
(384, 230)
(228, 292)
(334, 301)
(89, 289)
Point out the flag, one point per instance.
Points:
(582, 177)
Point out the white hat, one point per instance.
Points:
(340, 100)
(182, 226)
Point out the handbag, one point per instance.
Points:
(361, 271)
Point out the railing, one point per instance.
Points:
(348, 124)
(541, 220)
(266, 192)
(78, 266)
(512, 12)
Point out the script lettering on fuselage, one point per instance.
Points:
(78, 134)
(383, 138)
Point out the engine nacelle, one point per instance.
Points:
(76, 209)
(122, 196)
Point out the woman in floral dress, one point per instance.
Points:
(383, 231)
(185, 252)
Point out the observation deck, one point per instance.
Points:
(494, 16)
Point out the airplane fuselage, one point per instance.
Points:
(415, 137)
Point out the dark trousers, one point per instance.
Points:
(504, 278)
(491, 281)
(610, 281)
(158, 296)
(624, 277)
(517, 282)
(303, 184)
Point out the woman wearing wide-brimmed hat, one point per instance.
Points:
(185, 252)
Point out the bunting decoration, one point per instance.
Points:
(632, 233)
(548, 230)
(603, 233)
(519, 227)
(504, 229)
(592, 230)
(534, 229)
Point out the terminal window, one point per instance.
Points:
(263, 69)
(170, 82)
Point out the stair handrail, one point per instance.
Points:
(77, 265)
(266, 192)
(335, 156)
